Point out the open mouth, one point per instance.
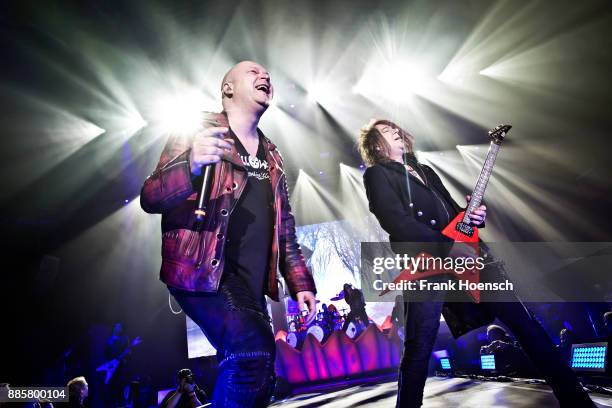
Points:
(263, 88)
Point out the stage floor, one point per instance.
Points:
(439, 393)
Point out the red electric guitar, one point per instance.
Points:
(459, 229)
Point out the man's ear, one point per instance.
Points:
(228, 89)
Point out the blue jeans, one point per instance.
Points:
(237, 325)
(423, 321)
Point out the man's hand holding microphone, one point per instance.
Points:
(208, 147)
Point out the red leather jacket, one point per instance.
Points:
(193, 260)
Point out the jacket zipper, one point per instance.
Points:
(278, 215)
(277, 226)
(202, 241)
(240, 190)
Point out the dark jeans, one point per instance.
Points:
(423, 321)
(237, 325)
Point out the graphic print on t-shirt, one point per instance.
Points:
(255, 166)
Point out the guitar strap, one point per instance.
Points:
(404, 159)
(413, 168)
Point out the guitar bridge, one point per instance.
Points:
(465, 229)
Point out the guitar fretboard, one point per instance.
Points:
(483, 179)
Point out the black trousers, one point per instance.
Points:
(237, 325)
(423, 321)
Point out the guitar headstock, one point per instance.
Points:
(498, 133)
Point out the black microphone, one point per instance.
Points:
(208, 174)
(204, 194)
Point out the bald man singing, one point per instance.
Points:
(220, 270)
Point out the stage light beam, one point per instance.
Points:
(181, 112)
(321, 92)
(134, 123)
(393, 80)
(90, 131)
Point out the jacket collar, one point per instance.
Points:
(233, 157)
(399, 168)
(272, 154)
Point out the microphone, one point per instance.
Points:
(208, 174)
(204, 193)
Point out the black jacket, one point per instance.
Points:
(407, 209)
(411, 211)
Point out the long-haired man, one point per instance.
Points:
(412, 205)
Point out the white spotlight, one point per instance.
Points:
(320, 93)
(89, 130)
(181, 113)
(393, 81)
(403, 77)
(134, 123)
(452, 76)
(489, 71)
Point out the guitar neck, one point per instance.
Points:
(483, 180)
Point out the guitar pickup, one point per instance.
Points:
(465, 229)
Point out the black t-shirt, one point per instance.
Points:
(250, 229)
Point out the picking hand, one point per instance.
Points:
(478, 216)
